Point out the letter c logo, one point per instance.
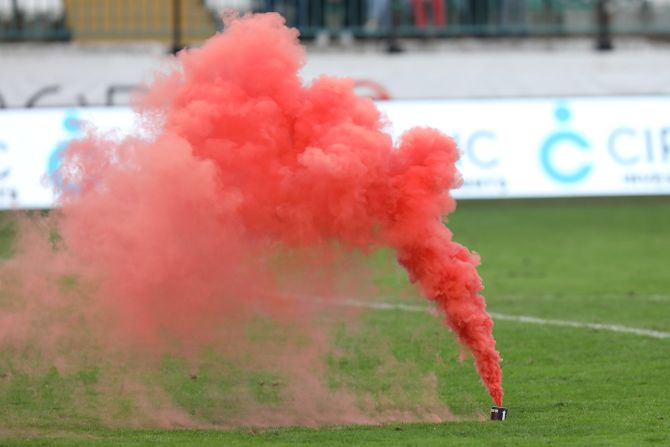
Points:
(550, 146)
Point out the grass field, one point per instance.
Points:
(591, 261)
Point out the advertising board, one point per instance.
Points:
(600, 146)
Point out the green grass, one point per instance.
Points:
(583, 260)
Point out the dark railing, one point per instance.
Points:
(156, 19)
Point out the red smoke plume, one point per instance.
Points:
(242, 160)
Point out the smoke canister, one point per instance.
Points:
(498, 413)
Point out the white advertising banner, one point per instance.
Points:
(510, 148)
(551, 147)
(31, 144)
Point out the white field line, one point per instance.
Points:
(522, 319)
(581, 325)
(643, 297)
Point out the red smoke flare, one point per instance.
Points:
(244, 157)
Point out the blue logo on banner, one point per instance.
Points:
(557, 140)
(73, 125)
(4, 173)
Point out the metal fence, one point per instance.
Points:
(191, 21)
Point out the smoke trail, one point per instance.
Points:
(240, 162)
(422, 171)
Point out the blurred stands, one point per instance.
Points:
(132, 20)
(32, 20)
(124, 20)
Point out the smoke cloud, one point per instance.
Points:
(242, 187)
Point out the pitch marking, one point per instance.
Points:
(523, 319)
